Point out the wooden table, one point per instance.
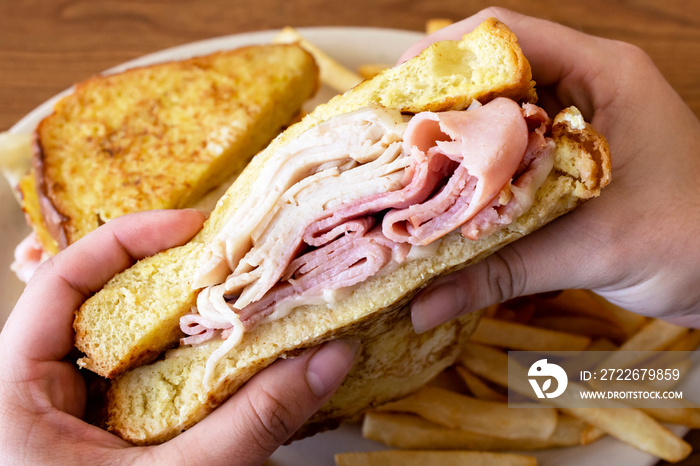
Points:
(47, 45)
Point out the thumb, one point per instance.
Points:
(559, 256)
(268, 409)
(493, 280)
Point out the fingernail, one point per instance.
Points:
(330, 364)
(436, 306)
(200, 211)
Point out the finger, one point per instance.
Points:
(558, 55)
(40, 326)
(559, 256)
(264, 414)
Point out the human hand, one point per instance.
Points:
(42, 395)
(638, 244)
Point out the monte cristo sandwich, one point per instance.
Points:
(331, 230)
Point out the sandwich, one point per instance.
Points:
(156, 137)
(331, 230)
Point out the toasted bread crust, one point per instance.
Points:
(161, 136)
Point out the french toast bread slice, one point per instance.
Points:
(161, 136)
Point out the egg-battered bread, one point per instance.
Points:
(159, 136)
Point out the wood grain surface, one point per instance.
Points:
(47, 45)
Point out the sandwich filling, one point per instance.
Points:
(359, 195)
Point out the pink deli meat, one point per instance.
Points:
(474, 170)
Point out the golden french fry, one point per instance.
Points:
(578, 301)
(480, 416)
(689, 342)
(429, 458)
(677, 355)
(488, 363)
(408, 431)
(656, 335)
(581, 325)
(590, 434)
(628, 321)
(479, 388)
(370, 70)
(630, 425)
(636, 428)
(332, 73)
(602, 344)
(449, 379)
(435, 24)
(525, 337)
(683, 412)
(491, 311)
(585, 303)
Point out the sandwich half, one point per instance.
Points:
(333, 228)
(159, 136)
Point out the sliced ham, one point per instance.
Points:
(361, 143)
(348, 200)
(29, 254)
(487, 142)
(517, 197)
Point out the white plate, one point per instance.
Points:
(352, 47)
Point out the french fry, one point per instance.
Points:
(479, 416)
(479, 388)
(683, 412)
(449, 379)
(636, 428)
(570, 428)
(435, 24)
(332, 73)
(519, 310)
(588, 326)
(602, 344)
(579, 302)
(370, 70)
(630, 425)
(678, 353)
(689, 342)
(596, 326)
(590, 433)
(429, 458)
(586, 303)
(491, 311)
(526, 338)
(656, 335)
(488, 363)
(590, 357)
(408, 431)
